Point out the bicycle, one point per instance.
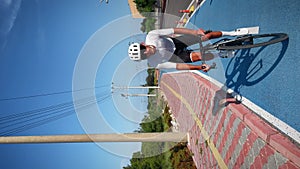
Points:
(241, 42)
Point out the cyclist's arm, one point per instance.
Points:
(166, 65)
(187, 31)
(161, 32)
(170, 31)
(182, 66)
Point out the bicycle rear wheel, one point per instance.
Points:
(253, 41)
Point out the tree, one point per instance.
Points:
(145, 6)
(159, 155)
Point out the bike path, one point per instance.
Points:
(268, 76)
(236, 137)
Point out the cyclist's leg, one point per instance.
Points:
(212, 35)
(217, 34)
(191, 39)
(187, 40)
(196, 56)
(180, 56)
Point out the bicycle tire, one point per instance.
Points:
(239, 43)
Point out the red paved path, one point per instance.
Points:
(229, 136)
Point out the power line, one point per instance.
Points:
(45, 109)
(49, 118)
(49, 94)
(38, 117)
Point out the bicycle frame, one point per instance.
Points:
(242, 42)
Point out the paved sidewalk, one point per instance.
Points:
(230, 136)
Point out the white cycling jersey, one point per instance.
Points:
(164, 46)
(166, 65)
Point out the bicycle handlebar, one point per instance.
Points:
(212, 66)
(202, 52)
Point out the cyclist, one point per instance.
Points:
(165, 51)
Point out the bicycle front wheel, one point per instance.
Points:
(253, 41)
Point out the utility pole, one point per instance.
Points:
(135, 87)
(138, 95)
(85, 138)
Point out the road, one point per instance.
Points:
(171, 14)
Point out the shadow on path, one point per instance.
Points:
(248, 68)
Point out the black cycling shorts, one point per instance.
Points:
(182, 54)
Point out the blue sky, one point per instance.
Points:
(41, 44)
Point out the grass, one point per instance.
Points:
(179, 155)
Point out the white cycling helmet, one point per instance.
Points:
(134, 52)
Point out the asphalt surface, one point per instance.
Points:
(171, 14)
(268, 76)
